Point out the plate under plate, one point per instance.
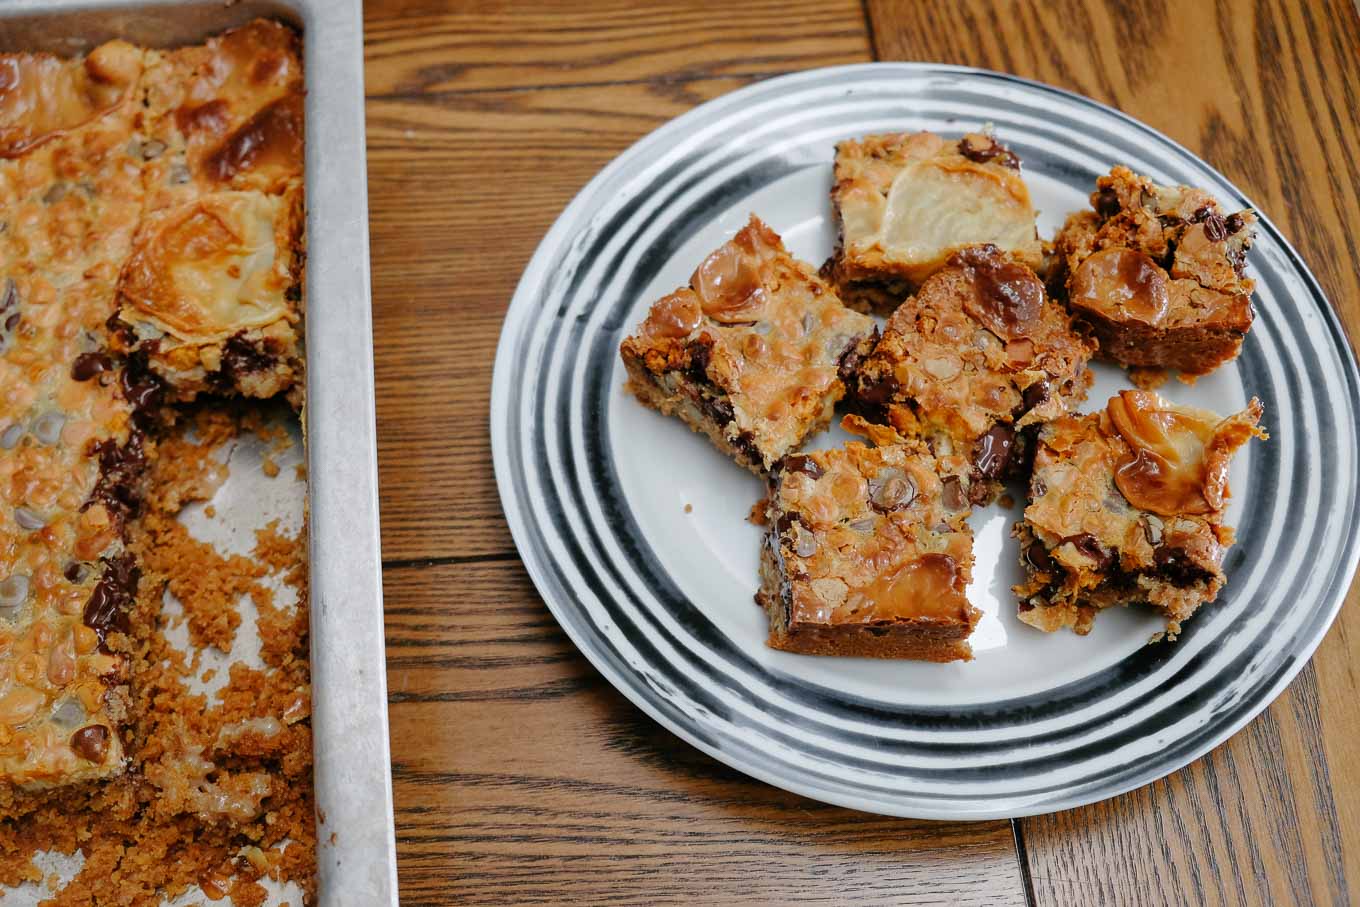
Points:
(634, 531)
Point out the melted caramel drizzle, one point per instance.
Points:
(926, 588)
(675, 316)
(1122, 283)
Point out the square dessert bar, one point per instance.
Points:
(1126, 506)
(971, 361)
(905, 202)
(211, 296)
(868, 554)
(1158, 274)
(753, 353)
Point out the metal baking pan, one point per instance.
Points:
(356, 850)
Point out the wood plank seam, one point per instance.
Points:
(1020, 857)
(420, 563)
(681, 79)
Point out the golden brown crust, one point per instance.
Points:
(905, 202)
(751, 353)
(43, 97)
(1157, 272)
(868, 553)
(1126, 506)
(977, 355)
(211, 294)
(69, 452)
(88, 684)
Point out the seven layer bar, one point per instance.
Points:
(70, 449)
(150, 228)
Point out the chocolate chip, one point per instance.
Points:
(74, 572)
(787, 520)
(992, 452)
(700, 352)
(87, 365)
(1201, 213)
(1026, 606)
(848, 362)
(241, 357)
(1036, 394)
(1037, 556)
(877, 391)
(801, 463)
(10, 297)
(746, 445)
(120, 468)
(141, 388)
(985, 148)
(718, 409)
(91, 743)
(1215, 228)
(1234, 223)
(1107, 202)
(1173, 565)
(107, 606)
(1087, 545)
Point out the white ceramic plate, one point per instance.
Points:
(634, 528)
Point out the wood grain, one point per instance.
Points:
(478, 136)
(424, 48)
(1266, 92)
(462, 190)
(522, 777)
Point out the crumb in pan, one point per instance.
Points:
(136, 223)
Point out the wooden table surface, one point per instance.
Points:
(520, 775)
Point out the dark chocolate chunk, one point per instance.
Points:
(700, 351)
(992, 452)
(241, 357)
(849, 360)
(801, 463)
(1215, 228)
(1107, 202)
(1174, 566)
(1037, 556)
(1087, 545)
(787, 520)
(985, 148)
(108, 604)
(87, 365)
(1036, 394)
(877, 391)
(120, 468)
(141, 388)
